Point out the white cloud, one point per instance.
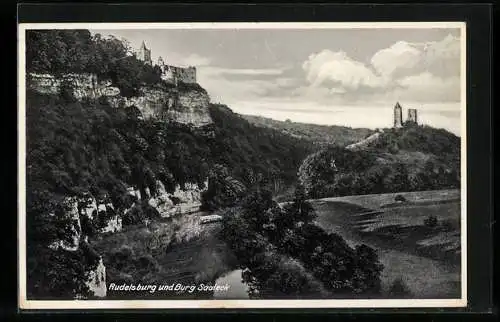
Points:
(338, 68)
(403, 71)
(442, 58)
(401, 55)
(428, 87)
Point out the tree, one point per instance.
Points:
(300, 212)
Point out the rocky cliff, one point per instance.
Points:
(87, 211)
(97, 280)
(183, 200)
(82, 85)
(100, 215)
(186, 106)
(180, 104)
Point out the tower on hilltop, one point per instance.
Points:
(144, 54)
(398, 116)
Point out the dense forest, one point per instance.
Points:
(74, 148)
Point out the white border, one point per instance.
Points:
(187, 304)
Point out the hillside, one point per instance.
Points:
(413, 158)
(110, 144)
(321, 135)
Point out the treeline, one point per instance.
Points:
(321, 135)
(284, 254)
(78, 51)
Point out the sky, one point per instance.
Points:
(349, 77)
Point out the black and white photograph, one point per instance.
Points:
(242, 165)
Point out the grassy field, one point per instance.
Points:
(426, 258)
(379, 200)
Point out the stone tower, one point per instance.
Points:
(412, 115)
(144, 54)
(398, 116)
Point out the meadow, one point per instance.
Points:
(425, 257)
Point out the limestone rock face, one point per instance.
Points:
(161, 201)
(44, 83)
(114, 222)
(97, 280)
(75, 208)
(191, 192)
(83, 85)
(183, 200)
(185, 105)
(192, 109)
(88, 206)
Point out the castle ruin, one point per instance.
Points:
(398, 116)
(174, 74)
(412, 115)
(169, 73)
(144, 54)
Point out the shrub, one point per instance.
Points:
(400, 198)
(175, 200)
(431, 221)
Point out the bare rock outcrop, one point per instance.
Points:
(180, 104)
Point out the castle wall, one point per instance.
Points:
(144, 54)
(187, 75)
(412, 115)
(174, 74)
(170, 74)
(147, 57)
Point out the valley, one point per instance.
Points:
(184, 250)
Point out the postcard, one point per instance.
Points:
(242, 165)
